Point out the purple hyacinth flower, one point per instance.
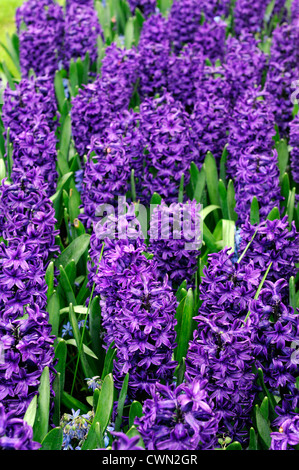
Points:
(15, 434)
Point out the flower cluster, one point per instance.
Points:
(137, 309)
(179, 418)
(175, 240)
(146, 7)
(282, 71)
(294, 143)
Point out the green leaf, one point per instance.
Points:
(53, 440)
(74, 79)
(70, 270)
(181, 291)
(2, 169)
(41, 424)
(57, 399)
(101, 53)
(209, 239)
(30, 414)
(74, 251)
(132, 432)
(263, 428)
(186, 327)
(121, 402)
(254, 211)
(207, 210)
(86, 66)
(156, 199)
